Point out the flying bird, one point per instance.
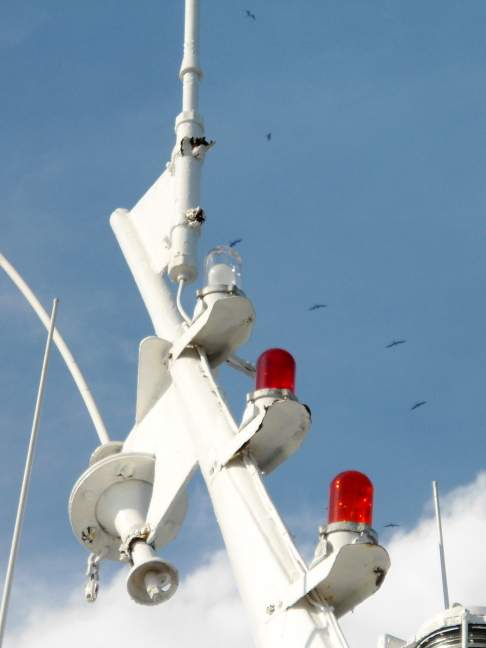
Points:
(269, 136)
(316, 306)
(418, 405)
(395, 343)
(233, 243)
(387, 526)
(250, 15)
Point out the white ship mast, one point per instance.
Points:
(132, 501)
(136, 490)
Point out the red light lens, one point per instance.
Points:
(351, 498)
(275, 369)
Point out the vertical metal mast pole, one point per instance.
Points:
(188, 168)
(191, 72)
(25, 483)
(441, 545)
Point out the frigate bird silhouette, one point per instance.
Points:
(395, 343)
(418, 405)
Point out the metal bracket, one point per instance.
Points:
(343, 579)
(220, 330)
(273, 435)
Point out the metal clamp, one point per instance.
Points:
(365, 533)
(126, 547)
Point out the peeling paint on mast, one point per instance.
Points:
(188, 157)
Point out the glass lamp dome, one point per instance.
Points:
(222, 266)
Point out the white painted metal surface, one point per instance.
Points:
(465, 618)
(221, 329)
(113, 482)
(443, 571)
(151, 580)
(187, 158)
(274, 427)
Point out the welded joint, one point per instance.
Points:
(126, 547)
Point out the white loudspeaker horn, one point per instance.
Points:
(151, 580)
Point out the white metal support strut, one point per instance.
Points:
(26, 480)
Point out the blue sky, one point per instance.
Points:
(369, 197)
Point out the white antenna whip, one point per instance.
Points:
(63, 349)
(441, 545)
(25, 483)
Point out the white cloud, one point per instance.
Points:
(207, 611)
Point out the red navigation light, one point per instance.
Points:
(275, 369)
(351, 498)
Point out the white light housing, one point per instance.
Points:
(222, 267)
(223, 316)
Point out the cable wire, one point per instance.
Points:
(63, 348)
(182, 283)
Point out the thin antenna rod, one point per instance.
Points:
(441, 544)
(191, 72)
(63, 349)
(25, 483)
(465, 628)
(180, 307)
